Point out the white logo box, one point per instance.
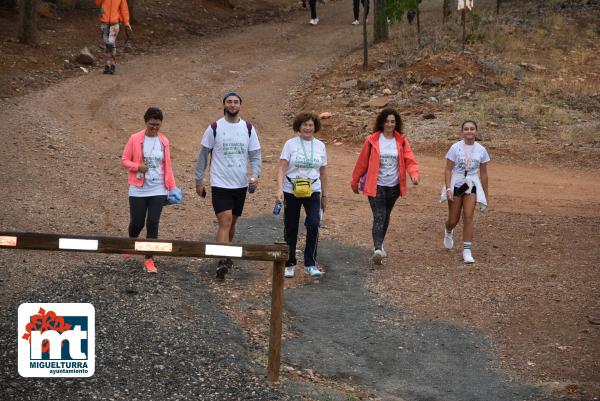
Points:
(78, 363)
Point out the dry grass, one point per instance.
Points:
(560, 94)
(490, 108)
(532, 76)
(582, 134)
(564, 44)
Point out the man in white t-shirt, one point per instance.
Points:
(231, 143)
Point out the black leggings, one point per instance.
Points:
(291, 217)
(148, 209)
(313, 8)
(356, 7)
(382, 205)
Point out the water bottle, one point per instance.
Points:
(251, 188)
(277, 208)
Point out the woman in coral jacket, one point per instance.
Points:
(147, 156)
(381, 170)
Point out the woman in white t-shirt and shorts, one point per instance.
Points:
(466, 180)
(303, 157)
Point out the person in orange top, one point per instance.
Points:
(112, 13)
(381, 170)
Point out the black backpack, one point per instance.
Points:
(214, 129)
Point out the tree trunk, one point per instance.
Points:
(365, 42)
(419, 24)
(380, 29)
(130, 7)
(498, 6)
(447, 10)
(27, 32)
(464, 27)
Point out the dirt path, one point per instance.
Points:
(61, 163)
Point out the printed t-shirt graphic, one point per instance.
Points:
(230, 147)
(461, 154)
(304, 162)
(388, 162)
(154, 179)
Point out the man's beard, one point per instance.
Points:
(229, 113)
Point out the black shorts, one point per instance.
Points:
(456, 191)
(228, 199)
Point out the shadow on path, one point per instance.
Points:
(346, 333)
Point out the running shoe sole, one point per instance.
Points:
(221, 272)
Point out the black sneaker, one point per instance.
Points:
(222, 269)
(106, 70)
(112, 69)
(229, 263)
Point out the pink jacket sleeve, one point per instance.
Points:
(362, 164)
(127, 156)
(412, 167)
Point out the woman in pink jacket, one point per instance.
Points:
(382, 165)
(147, 156)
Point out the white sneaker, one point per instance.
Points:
(313, 271)
(289, 271)
(467, 257)
(355, 22)
(448, 241)
(314, 21)
(383, 252)
(377, 257)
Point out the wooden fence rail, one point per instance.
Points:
(277, 253)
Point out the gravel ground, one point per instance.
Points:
(62, 174)
(159, 337)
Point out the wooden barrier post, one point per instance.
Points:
(276, 322)
(139, 246)
(278, 253)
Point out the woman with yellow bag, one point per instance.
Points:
(302, 182)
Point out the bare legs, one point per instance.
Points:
(466, 204)
(227, 222)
